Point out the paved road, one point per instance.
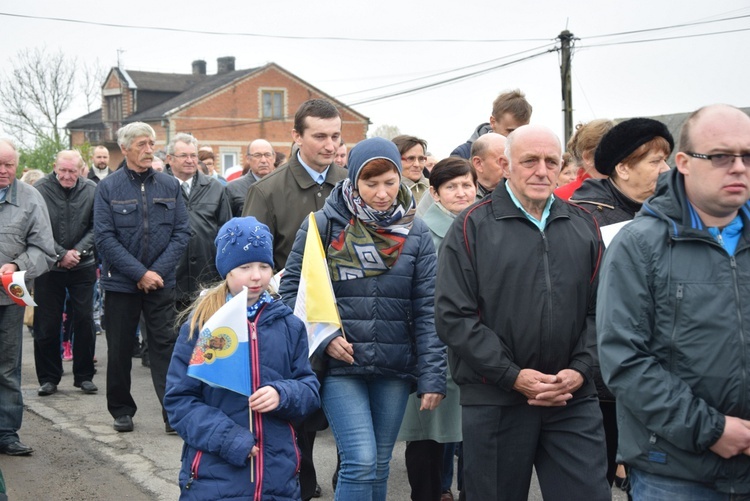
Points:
(78, 452)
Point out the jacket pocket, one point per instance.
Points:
(164, 210)
(125, 213)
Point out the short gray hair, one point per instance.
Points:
(127, 133)
(70, 153)
(182, 137)
(12, 146)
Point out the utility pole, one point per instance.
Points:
(566, 39)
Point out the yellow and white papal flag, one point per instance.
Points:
(316, 303)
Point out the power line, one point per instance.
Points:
(449, 80)
(474, 65)
(261, 35)
(349, 39)
(683, 25)
(676, 37)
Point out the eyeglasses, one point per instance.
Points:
(184, 156)
(413, 158)
(722, 160)
(258, 156)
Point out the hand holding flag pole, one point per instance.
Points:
(221, 357)
(316, 302)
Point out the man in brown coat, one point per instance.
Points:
(286, 196)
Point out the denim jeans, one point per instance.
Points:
(11, 342)
(365, 414)
(649, 487)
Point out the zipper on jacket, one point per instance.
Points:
(743, 341)
(548, 281)
(257, 418)
(144, 247)
(677, 307)
(194, 469)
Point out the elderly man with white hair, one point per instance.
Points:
(516, 296)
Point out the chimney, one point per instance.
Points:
(224, 65)
(199, 67)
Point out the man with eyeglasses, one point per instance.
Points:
(141, 229)
(674, 320)
(208, 209)
(259, 162)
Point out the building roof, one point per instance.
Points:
(184, 89)
(164, 82)
(208, 85)
(91, 120)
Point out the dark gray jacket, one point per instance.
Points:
(237, 191)
(674, 340)
(208, 209)
(72, 216)
(510, 297)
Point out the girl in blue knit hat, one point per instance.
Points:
(214, 422)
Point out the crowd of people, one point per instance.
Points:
(577, 313)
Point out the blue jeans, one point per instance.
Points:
(11, 342)
(649, 487)
(365, 414)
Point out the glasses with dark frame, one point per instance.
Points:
(721, 160)
(258, 156)
(413, 158)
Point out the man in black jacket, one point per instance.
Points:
(100, 168)
(70, 201)
(516, 296)
(208, 209)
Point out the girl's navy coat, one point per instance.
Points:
(214, 423)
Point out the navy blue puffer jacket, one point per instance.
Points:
(139, 226)
(214, 422)
(389, 318)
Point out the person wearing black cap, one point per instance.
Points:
(632, 154)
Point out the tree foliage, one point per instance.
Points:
(40, 88)
(386, 131)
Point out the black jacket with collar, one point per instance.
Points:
(208, 209)
(71, 213)
(510, 297)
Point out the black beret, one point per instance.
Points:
(624, 138)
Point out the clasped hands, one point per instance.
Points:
(150, 281)
(548, 390)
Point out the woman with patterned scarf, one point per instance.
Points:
(382, 264)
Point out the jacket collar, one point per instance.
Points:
(11, 197)
(503, 206)
(303, 179)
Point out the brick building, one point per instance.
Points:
(225, 111)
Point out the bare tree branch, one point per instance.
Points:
(40, 88)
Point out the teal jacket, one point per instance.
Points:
(673, 321)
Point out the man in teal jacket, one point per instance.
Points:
(672, 319)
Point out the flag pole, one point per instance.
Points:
(252, 458)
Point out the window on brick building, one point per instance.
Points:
(114, 108)
(273, 104)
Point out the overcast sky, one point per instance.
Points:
(612, 76)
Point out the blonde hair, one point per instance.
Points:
(205, 306)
